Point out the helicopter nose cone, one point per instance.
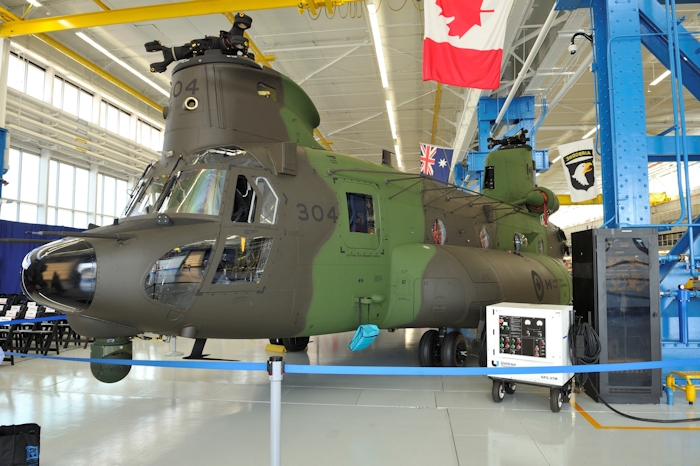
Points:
(61, 275)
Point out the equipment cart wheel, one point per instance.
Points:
(510, 387)
(556, 399)
(498, 391)
(566, 392)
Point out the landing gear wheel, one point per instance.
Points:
(566, 392)
(482, 351)
(454, 350)
(556, 399)
(429, 349)
(497, 391)
(294, 345)
(510, 387)
(276, 341)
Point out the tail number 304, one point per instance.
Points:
(316, 212)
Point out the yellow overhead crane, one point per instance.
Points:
(155, 12)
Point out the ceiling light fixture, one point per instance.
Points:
(377, 39)
(660, 78)
(555, 160)
(590, 133)
(398, 156)
(392, 123)
(123, 64)
(34, 3)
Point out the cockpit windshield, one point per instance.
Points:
(195, 192)
(234, 156)
(145, 196)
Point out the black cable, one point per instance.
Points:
(591, 355)
(629, 416)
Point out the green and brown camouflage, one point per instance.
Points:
(248, 228)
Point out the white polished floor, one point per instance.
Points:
(201, 417)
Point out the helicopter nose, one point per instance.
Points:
(61, 274)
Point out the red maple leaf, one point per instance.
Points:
(466, 14)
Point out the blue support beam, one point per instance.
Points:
(520, 114)
(622, 135)
(652, 18)
(576, 4)
(663, 148)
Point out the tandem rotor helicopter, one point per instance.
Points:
(248, 228)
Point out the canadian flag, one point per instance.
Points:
(463, 43)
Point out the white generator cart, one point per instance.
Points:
(529, 335)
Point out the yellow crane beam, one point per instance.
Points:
(565, 199)
(8, 16)
(150, 13)
(435, 112)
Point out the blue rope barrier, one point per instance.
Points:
(383, 370)
(194, 364)
(31, 321)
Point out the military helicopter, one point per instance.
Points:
(248, 228)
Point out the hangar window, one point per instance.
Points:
(72, 99)
(26, 77)
(115, 119)
(243, 260)
(148, 135)
(195, 192)
(175, 277)
(361, 213)
(244, 202)
(67, 200)
(112, 196)
(22, 188)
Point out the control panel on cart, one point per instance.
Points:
(529, 335)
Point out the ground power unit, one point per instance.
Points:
(529, 335)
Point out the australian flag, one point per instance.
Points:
(435, 161)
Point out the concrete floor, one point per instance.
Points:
(170, 417)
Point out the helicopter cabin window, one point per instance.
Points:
(268, 201)
(195, 192)
(175, 277)
(244, 202)
(243, 260)
(361, 213)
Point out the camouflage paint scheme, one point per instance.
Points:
(320, 277)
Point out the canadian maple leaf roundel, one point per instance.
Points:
(466, 14)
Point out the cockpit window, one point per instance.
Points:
(233, 156)
(145, 196)
(243, 260)
(195, 192)
(176, 276)
(268, 201)
(244, 202)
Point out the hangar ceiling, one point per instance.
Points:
(332, 57)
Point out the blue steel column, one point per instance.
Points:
(620, 94)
